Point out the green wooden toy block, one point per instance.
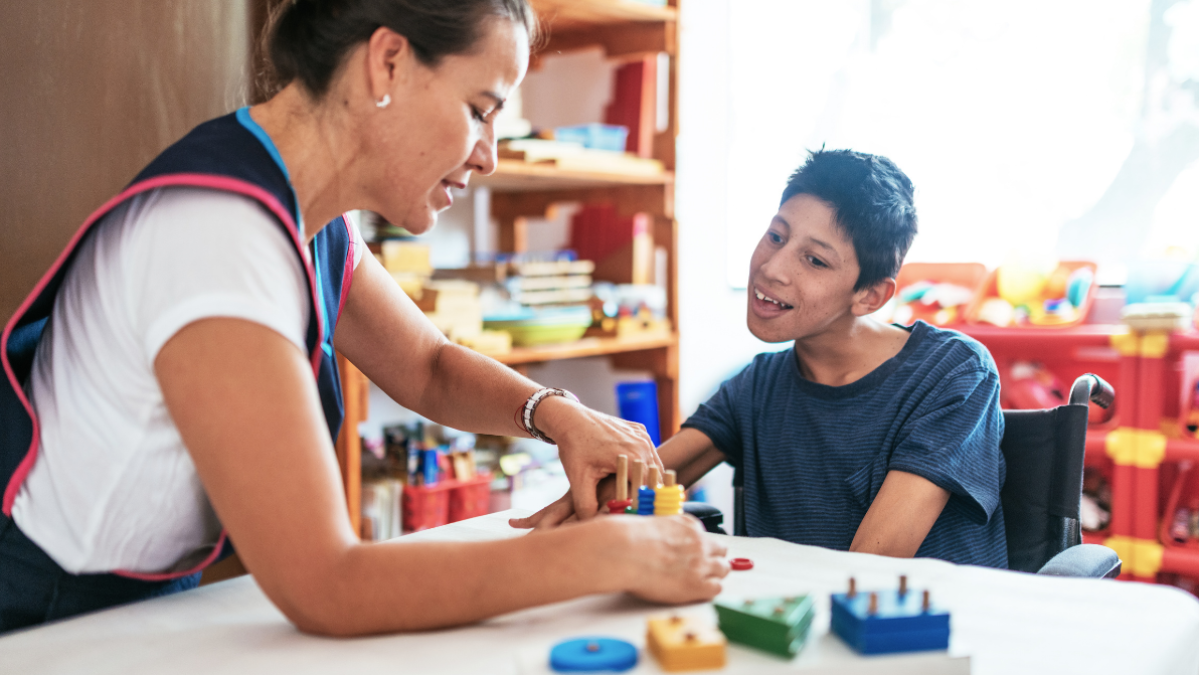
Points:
(775, 625)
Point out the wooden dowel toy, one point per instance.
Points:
(927, 605)
(873, 604)
(853, 588)
(638, 475)
(670, 478)
(903, 585)
(655, 478)
(622, 478)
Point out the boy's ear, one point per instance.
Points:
(872, 298)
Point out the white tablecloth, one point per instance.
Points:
(1005, 622)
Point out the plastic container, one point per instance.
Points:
(595, 136)
(546, 326)
(990, 290)
(966, 275)
(426, 506)
(470, 498)
(638, 402)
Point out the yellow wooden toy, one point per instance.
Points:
(681, 643)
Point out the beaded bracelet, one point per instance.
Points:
(524, 414)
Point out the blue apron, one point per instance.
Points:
(231, 154)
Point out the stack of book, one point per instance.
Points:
(564, 282)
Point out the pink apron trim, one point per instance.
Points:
(167, 576)
(223, 183)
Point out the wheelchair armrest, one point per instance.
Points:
(709, 515)
(1090, 561)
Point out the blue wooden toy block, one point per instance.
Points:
(900, 623)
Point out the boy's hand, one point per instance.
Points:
(563, 510)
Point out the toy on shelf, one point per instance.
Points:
(1032, 386)
(593, 655)
(683, 643)
(776, 625)
(937, 293)
(884, 622)
(1019, 294)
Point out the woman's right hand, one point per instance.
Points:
(667, 559)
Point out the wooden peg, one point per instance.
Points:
(655, 478)
(873, 609)
(853, 589)
(670, 477)
(638, 475)
(622, 478)
(926, 605)
(903, 585)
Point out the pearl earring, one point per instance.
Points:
(383, 102)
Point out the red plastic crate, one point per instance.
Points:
(426, 506)
(470, 498)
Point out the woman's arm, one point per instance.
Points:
(901, 515)
(384, 334)
(690, 453)
(246, 406)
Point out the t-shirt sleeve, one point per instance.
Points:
(203, 254)
(953, 441)
(358, 242)
(718, 417)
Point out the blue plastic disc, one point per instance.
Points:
(593, 655)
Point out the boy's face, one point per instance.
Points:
(802, 273)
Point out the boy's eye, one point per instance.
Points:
(774, 238)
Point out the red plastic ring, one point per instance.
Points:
(741, 564)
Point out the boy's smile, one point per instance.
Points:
(802, 274)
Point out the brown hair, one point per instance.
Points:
(308, 39)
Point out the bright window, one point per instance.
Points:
(1055, 127)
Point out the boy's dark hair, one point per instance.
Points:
(871, 201)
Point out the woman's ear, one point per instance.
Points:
(388, 59)
(872, 298)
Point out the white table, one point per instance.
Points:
(1005, 622)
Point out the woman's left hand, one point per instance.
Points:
(589, 443)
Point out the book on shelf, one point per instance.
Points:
(574, 157)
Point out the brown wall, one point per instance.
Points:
(90, 91)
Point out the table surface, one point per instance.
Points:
(1005, 622)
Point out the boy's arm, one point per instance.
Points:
(690, 453)
(900, 517)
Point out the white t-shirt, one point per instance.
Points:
(113, 487)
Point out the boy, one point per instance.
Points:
(863, 436)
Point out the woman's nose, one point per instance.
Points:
(483, 159)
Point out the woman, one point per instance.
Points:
(173, 374)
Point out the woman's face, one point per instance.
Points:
(439, 127)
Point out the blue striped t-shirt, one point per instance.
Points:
(813, 456)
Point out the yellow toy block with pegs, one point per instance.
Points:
(683, 643)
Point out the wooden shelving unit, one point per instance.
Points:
(582, 348)
(624, 30)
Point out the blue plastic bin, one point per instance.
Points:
(638, 402)
(595, 136)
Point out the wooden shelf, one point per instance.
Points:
(513, 175)
(581, 348)
(576, 14)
